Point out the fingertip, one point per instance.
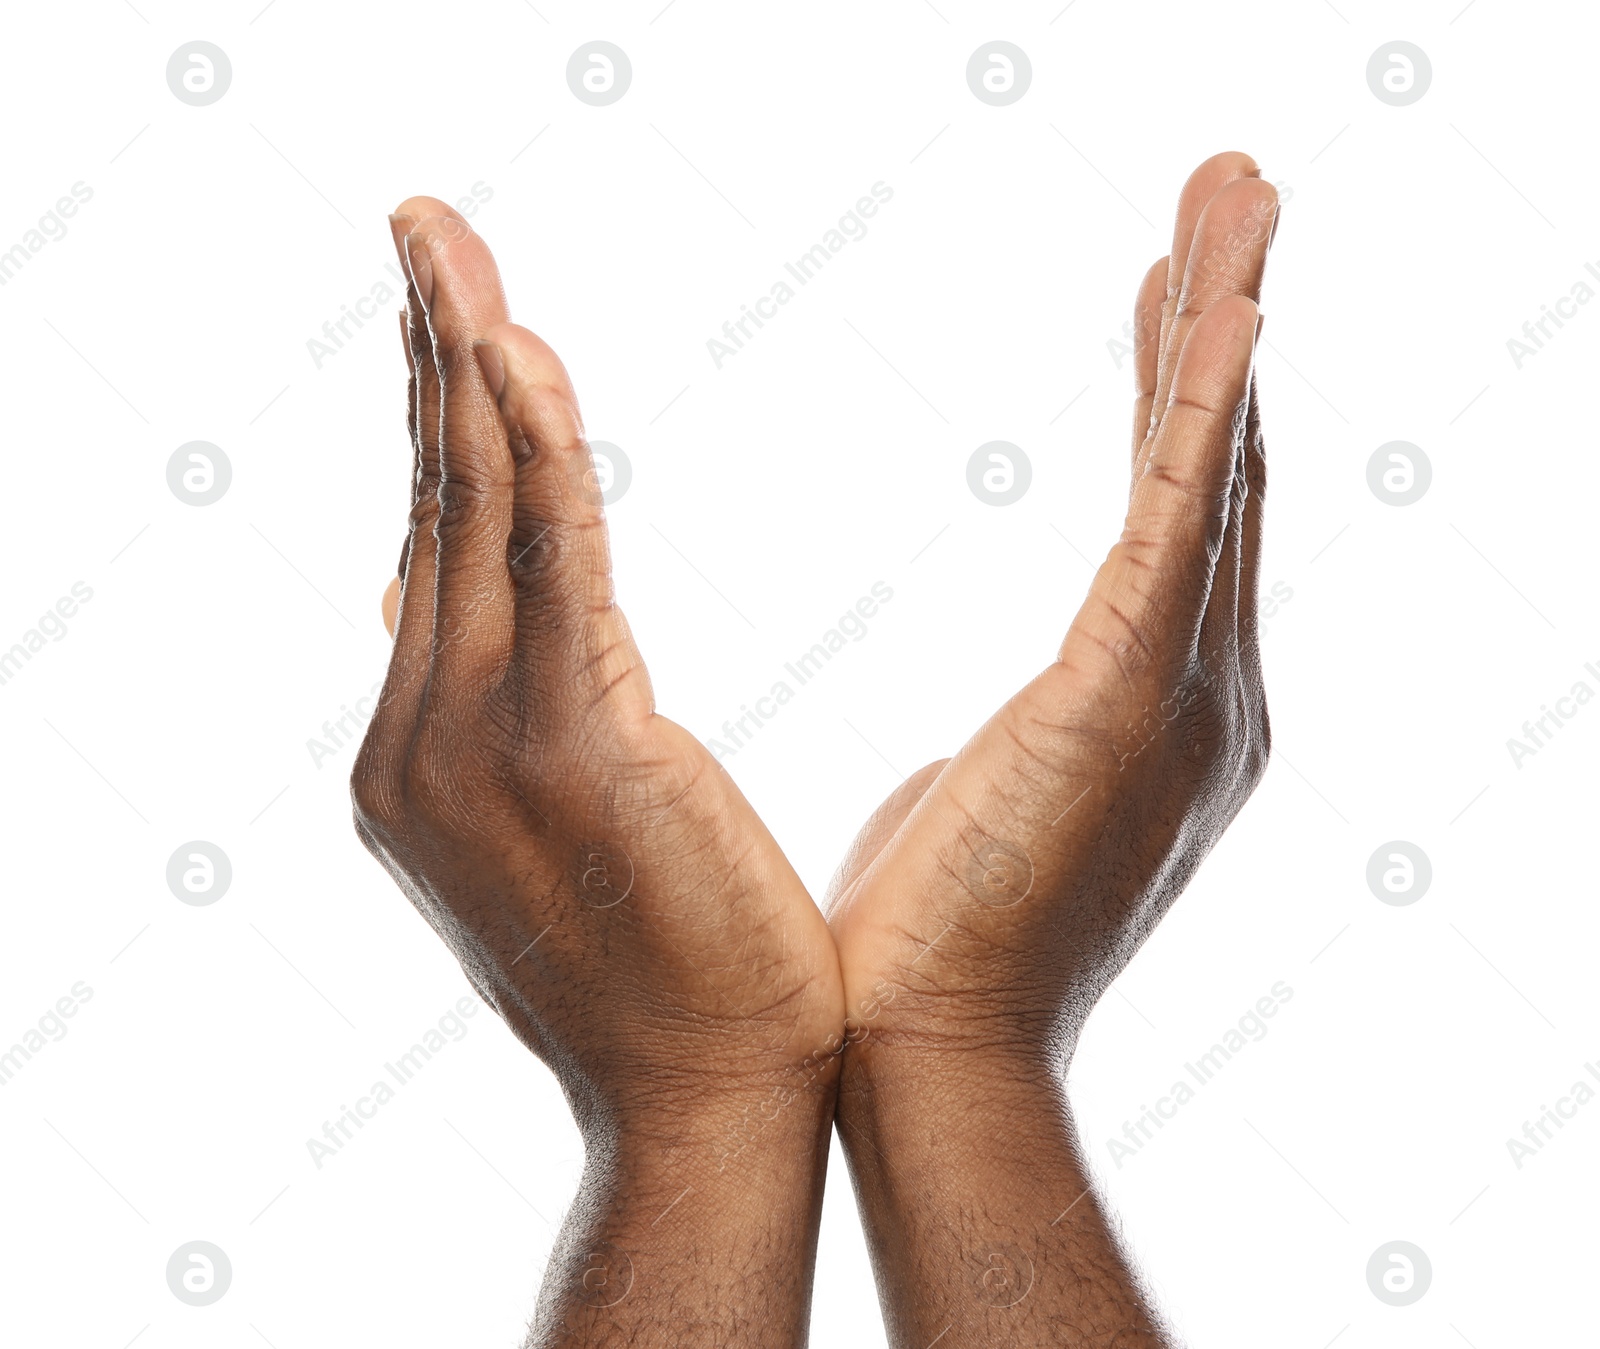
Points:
(1254, 194)
(1230, 164)
(1208, 179)
(530, 362)
(1147, 305)
(537, 402)
(1218, 356)
(454, 264)
(1154, 277)
(1242, 305)
(420, 208)
(1228, 248)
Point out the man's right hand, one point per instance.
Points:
(601, 880)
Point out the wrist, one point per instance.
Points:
(711, 1115)
(756, 1134)
(967, 1165)
(713, 1216)
(962, 1130)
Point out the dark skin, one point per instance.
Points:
(995, 895)
(611, 893)
(602, 881)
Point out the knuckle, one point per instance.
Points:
(533, 551)
(1255, 462)
(459, 495)
(466, 504)
(1161, 469)
(425, 503)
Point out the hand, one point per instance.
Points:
(994, 897)
(601, 880)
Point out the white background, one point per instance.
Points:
(180, 701)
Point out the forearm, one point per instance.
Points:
(983, 1226)
(700, 1232)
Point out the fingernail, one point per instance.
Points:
(1260, 319)
(421, 268)
(493, 365)
(399, 227)
(1277, 215)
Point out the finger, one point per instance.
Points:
(413, 617)
(1147, 347)
(413, 630)
(568, 629)
(1255, 471)
(1152, 592)
(459, 286)
(1219, 630)
(1202, 185)
(1227, 256)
